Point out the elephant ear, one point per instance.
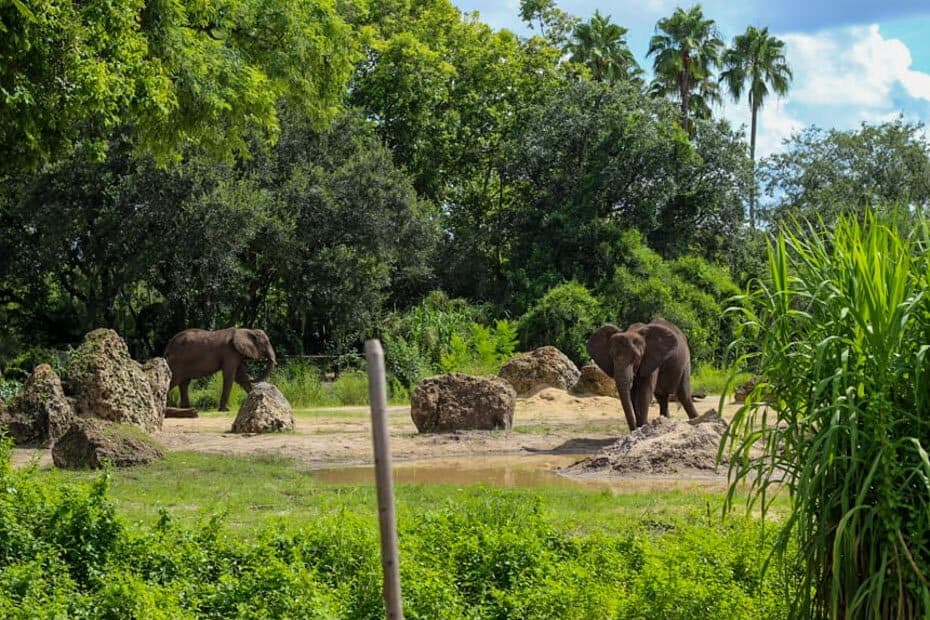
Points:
(244, 342)
(599, 347)
(660, 343)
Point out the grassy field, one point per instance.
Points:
(258, 491)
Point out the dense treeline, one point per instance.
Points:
(320, 169)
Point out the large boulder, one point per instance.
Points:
(40, 413)
(545, 367)
(456, 402)
(159, 376)
(595, 382)
(89, 443)
(265, 410)
(108, 384)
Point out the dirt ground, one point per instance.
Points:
(551, 428)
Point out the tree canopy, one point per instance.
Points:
(165, 75)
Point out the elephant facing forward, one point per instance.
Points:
(645, 360)
(195, 353)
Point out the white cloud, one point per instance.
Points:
(854, 66)
(842, 78)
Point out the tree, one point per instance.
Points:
(755, 62)
(586, 162)
(554, 24)
(600, 45)
(822, 174)
(167, 74)
(443, 90)
(687, 50)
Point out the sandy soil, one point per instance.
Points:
(551, 427)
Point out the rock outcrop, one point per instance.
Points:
(595, 382)
(455, 402)
(265, 410)
(544, 367)
(89, 443)
(108, 384)
(40, 413)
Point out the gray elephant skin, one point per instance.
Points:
(645, 360)
(195, 353)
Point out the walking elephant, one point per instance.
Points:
(195, 353)
(645, 360)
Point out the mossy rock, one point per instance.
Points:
(90, 443)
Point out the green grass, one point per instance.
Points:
(303, 386)
(709, 379)
(254, 491)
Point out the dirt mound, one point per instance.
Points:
(662, 446)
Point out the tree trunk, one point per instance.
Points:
(752, 164)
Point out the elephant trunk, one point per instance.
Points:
(266, 370)
(624, 384)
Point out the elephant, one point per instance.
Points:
(195, 353)
(645, 360)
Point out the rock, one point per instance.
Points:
(108, 384)
(595, 382)
(159, 377)
(456, 402)
(542, 368)
(89, 443)
(40, 413)
(265, 410)
(741, 392)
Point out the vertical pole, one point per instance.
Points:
(390, 567)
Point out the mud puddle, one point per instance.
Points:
(525, 471)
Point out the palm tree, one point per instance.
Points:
(755, 62)
(686, 49)
(601, 46)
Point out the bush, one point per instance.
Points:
(443, 335)
(688, 292)
(480, 554)
(565, 318)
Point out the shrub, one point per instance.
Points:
(483, 351)
(565, 318)
(841, 328)
(688, 292)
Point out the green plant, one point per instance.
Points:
(351, 388)
(843, 418)
(565, 318)
(483, 351)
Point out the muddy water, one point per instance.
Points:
(508, 472)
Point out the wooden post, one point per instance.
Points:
(390, 567)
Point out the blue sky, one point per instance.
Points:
(853, 61)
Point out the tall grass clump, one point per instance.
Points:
(841, 333)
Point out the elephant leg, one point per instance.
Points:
(663, 404)
(185, 401)
(228, 374)
(645, 389)
(684, 395)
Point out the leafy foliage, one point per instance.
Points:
(823, 174)
(839, 331)
(483, 554)
(565, 318)
(170, 74)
